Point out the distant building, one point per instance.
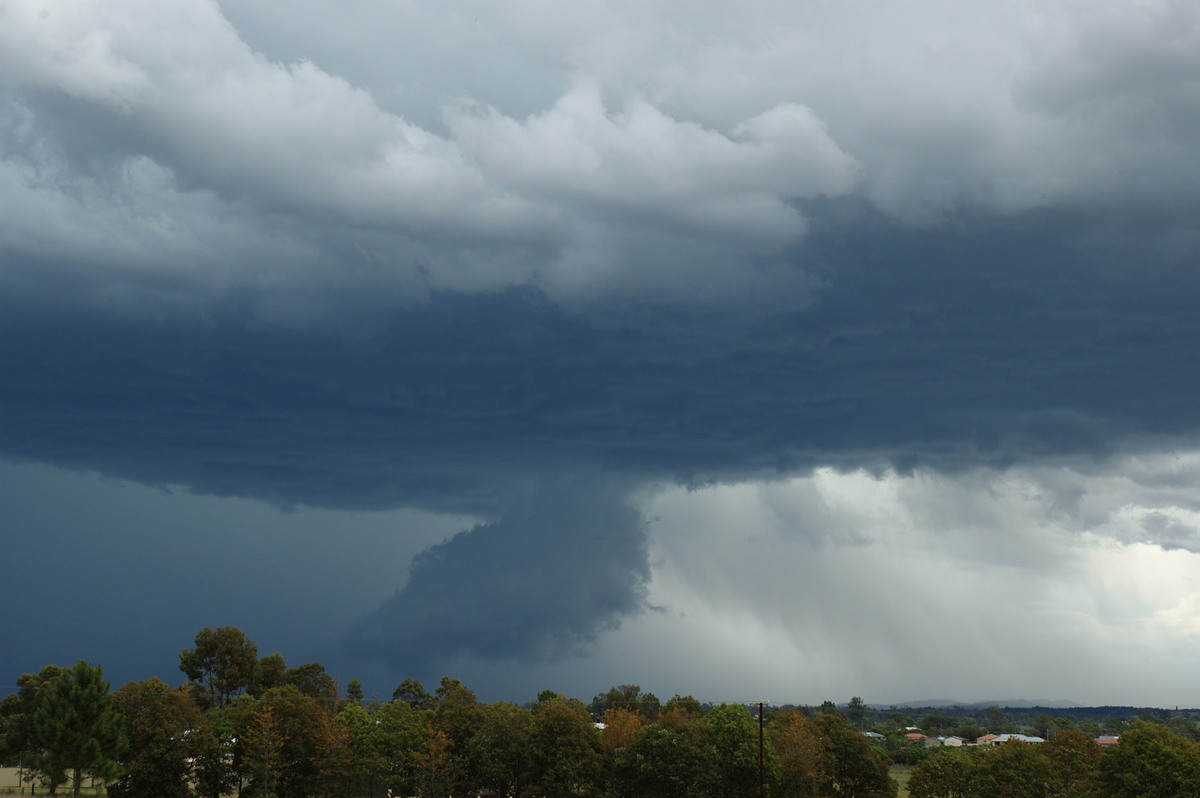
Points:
(1105, 740)
(1009, 738)
(953, 742)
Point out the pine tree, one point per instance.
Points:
(78, 729)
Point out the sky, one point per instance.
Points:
(791, 352)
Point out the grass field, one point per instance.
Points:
(901, 773)
(11, 785)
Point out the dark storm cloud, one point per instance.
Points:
(998, 343)
(565, 563)
(261, 278)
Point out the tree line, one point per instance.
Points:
(252, 726)
(1150, 761)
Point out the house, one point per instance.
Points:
(953, 741)
(1105, 740)
(1019, 738)
(987, 739)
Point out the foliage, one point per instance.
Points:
(1074, 761)
(1012, 770)
(945, 773)
(78, 730)
(413, 693)
(354, 691)
(672, 758)
(566, 749)
(20, 741)
(223, 664)
(165, 729)
(499, 756)
(1149, 761)
(312, 680)
(803, 764)
(254, 727)
(625, 696)
(735, 735)
(270, 671)
(290, 744)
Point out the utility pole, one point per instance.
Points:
(762, 769)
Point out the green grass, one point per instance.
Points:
(900, 774)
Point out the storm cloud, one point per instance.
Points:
(254, 255)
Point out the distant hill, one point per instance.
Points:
(1016, 703)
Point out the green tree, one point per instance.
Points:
(626, 696)
(78, 729)
(270, 671)
(500, 753)
(165, 730)
(672, 758)
(1074, 761)
(566, 749)
(858, 713)
(216, 757)
(413, 693)
(290, 745)
(1013, 770)
(354, 691)
(854, 767)
(1150, 761)
(684, 706)
(458, 715)
(385, 744)
(735, 735)
(20, 742)
(312, 680)
(222, 664)
(945, 773)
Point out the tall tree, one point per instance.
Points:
(312, 680)
(385, 744)
(354, 691)
(672, 758)
(291, 745)
(413, 693)
(854, 767)
(78, 729)
(270, 671)
(165, 730)
(566, 749)
(222, 664)
(804, 765)
(858, 713)
(626, 696)
(499, 756)
(20, 741)
(734, 733)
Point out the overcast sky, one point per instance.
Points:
(791, 351)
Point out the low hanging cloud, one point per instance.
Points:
(566, 562)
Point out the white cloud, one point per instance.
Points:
(970, 587)
(669, 162)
